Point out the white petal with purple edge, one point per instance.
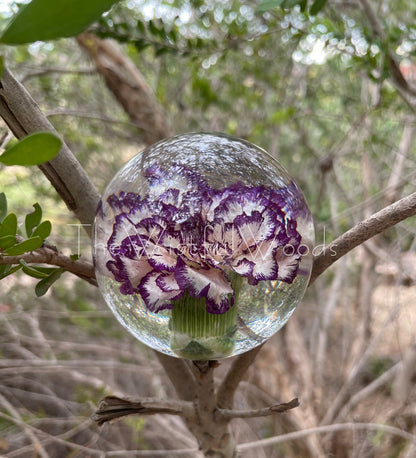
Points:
(167, 283)
(244, 267)
(254, 229)
(160, 258)
(288, 265)
(123, 228)
(264, 264)
(136, 270)
(209, 283)
(154, 297)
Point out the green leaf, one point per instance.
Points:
(153, 29)
(43, 230)
(43, 286)
(316, 7)
(290, 3)
(34, 271)
(7, 242)
(267, 5)
(25, 246)
(45, 270)
(3, 206)
(34, 149)
(9, 225)
(9, 272)
(141, 28)
(33, 219)
(51, 19)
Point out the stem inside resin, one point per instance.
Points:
(200, 335)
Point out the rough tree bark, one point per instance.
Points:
(23, 116)
(128, 86)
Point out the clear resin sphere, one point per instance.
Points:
(202, 246)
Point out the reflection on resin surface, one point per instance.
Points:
(202, 246)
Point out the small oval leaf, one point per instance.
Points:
(33, 271)
(43, 230)
(7, 241)
(9, 271)
(33, 219)
(34, 149)
(9, 225)
(42, 287)
(25, 247)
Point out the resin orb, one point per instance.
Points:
(202, 246)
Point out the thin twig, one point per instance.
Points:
(375, 224)
(181, 453)
(267, 411)
(357, 367)
(17, 419)
(58, 70)
(368, 390)
(326, 429)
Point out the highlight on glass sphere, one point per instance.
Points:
(202, 246)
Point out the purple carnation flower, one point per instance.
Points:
(186, 237)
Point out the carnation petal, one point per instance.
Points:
(264, 264)
(129, 272)
(123, 228)
(255, 228)
(288, 264)
(209, 283)
(154, 296)
(161, 258)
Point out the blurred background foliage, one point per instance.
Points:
(317, 92)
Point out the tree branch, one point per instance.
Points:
(23, 116)
(63, 71)
(324, 430)
(128, 86)
(47, 255)
(375, 224)
(211, 430)
(112, 408)
(396, 75)
(17, 419)
(278, 408)
(179, 374)
(234, 376)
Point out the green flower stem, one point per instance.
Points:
(200, 335)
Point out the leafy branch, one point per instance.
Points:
(18, 252)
